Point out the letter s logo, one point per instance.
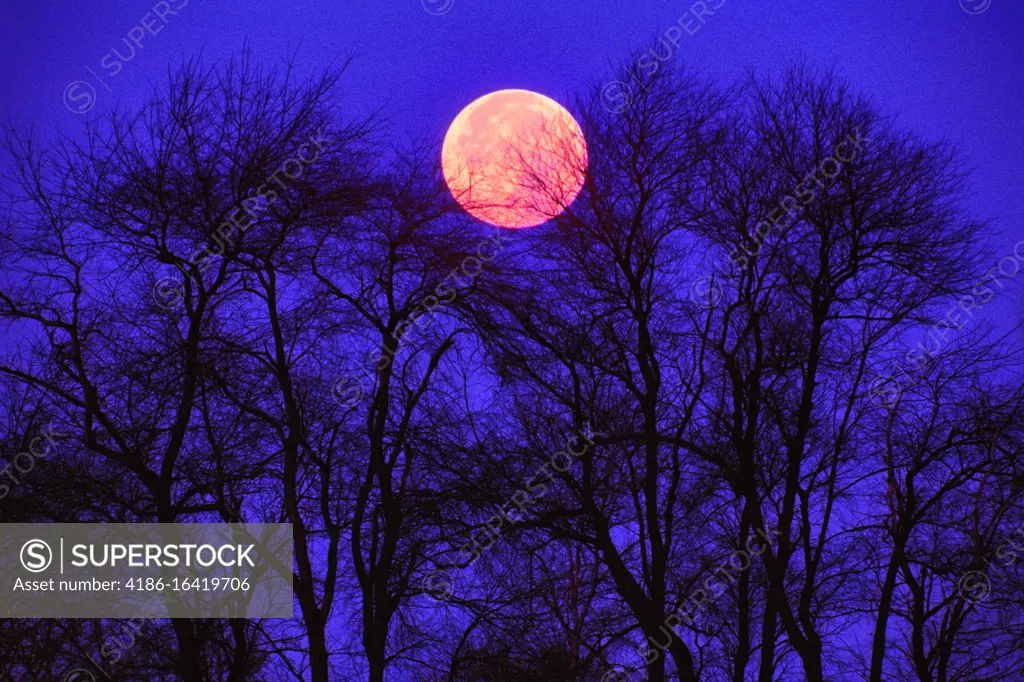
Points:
(39, 556)
(82, 94)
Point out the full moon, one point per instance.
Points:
(514, 158)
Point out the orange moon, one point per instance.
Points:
(514, 158)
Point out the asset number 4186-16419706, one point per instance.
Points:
(189, 584)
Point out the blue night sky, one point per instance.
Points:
(946, 73)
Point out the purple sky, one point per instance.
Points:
(946, 73)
